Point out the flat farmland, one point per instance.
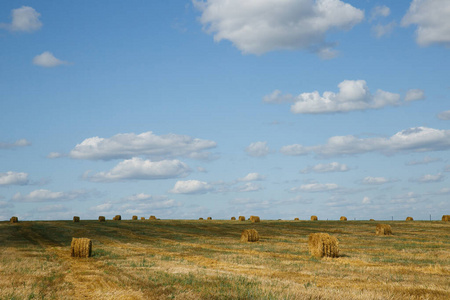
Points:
(193, 259)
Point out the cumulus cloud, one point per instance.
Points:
(326, 168)
(445, 115)
(257, 27)
(191, 187)
(138, 168)
(249, 187)
(23, 19)
(128, 145)
(431, 18)
(375, 180)
(428, 178)
(295, 150)
(424, 161)
(52, 208)
(380, 30)
(353, 95)
(315, 187)
(257, 149)
(408, 198)
(145, 204)
(18, 143)
(13, 178)
(48, 60)
(414, 94)
(252, 177)
(43, 195)
(417, 139)
(379, 11)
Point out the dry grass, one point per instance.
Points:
(323, 245)
(81, 247)
(187, 259)
(314, 218)
(383, 229)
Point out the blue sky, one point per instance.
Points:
(187, 109)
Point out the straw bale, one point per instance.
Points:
(371, 220)
(134, 218)
(322, 244)
(255, 219)
(233, 218)
(209, 218)
(446, 218)
(14, 220)
(152, 218)
(81, 247)
(101, 219)
(383, 229)
(117, 218)
(314, 218)
(142, 218)
(241, 218)
(409, 219)
(343, 218)
(249, 235)
(296, 219)
(200, 218)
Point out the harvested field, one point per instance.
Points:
(187, 259)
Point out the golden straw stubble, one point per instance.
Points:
(323, 245)
(81, 247)
(383, 229)
(249, 235)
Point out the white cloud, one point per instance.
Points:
(353, 95)
(424, 161)
(252, 177)
(23, 19)
(432, 20)
(49, 196)
(379, 11)
(408, 198)
(191, 187)
(258, 149)
(102, 207)
(326, 168)
(249, 187)
(261, 26)
(414, 94)
(52, 155)
(138, 168)
(127, 145)
(429, 178)
(315, 187)
(366, 200)
(202, 170)
(52, 208)
(380, 30)
(295, 150)
(47, 60)
(417, 139)
(375, 180)
(445, 115)
(18, 143)
(13, 178)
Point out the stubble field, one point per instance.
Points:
(192, 259)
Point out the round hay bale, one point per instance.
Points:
(233, 218)
(76, 219)
(117, 218)
(323, 245)
(446, 218)
(134, 218)
(142, 218)
(409, 219)
(241, 218)
(371, 220)
(249, 235)
(209, 218)
(101, 219)
(152, 218)
(255, 219)
(81, 247)
(14, 220)
(296, 219)
(200, 219)
(314, 218)
(383, 229)
(343, 218)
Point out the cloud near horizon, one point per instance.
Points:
(257, 27)
(44, 195)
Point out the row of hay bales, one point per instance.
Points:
(115, 218)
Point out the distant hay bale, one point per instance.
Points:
(134, 218)
(383, 229)
(249, 235)
(343, 218)
(152, 218)
(14, 220)
(81, 247)
(200, 219)
(371, 220)
(446, 218)
(142, 218)
(233, 218)
(255, 219)
(409, 219)
(323, 245)
(209, 218)
(314, 218)
(76, 219)
(117, 218)
(101, 219)
(296, 219)
(241, 218)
